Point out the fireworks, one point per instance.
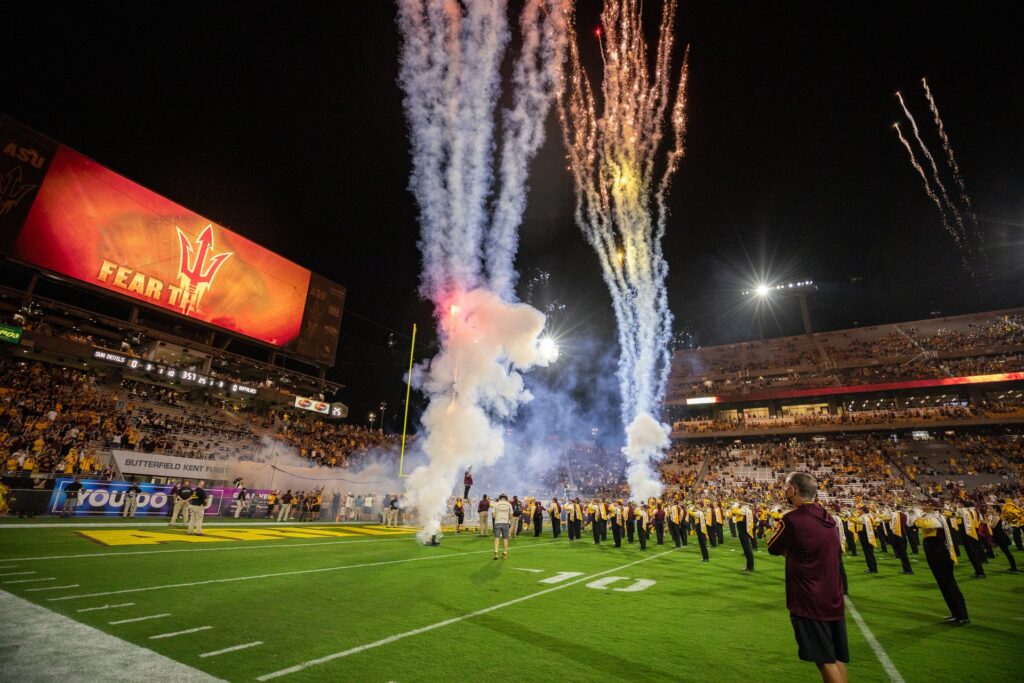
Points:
(621, 179)
(450, 71)
(966, 233)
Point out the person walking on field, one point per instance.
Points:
(131, 500)
(808, 538)
(286, 506)
(467, 481)
(240, 498)
(502, 512)
(196, 509)
(181, 498)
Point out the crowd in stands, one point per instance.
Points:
(56, 419)
(859, 417)
(967, 346)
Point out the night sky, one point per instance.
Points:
(283, 121)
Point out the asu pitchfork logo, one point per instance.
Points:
(195, 275)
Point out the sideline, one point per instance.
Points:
(890, 668)
(297, 572)
(242, 546)
(447, 622)
(38, 644)
(73, 524)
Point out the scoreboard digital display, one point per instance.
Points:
(180, 376)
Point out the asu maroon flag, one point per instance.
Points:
(96, 226)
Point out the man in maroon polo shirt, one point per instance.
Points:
(807, 536)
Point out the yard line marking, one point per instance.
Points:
(276, 574)
(524, 569)
(94, 609)
(130, 621)
(233, 648)
(49, 578)
(448, 622)
(85, 653)
(51, 588)
(17, 573)
(202, 550)
(887, 664)
(181, 633)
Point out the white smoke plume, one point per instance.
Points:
(450, 60)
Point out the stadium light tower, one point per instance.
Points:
(800, 289)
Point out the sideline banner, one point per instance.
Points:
(106, 498)
(154, 465)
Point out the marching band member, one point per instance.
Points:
(868, 540)
(743, 519)
(937, 539)
(700, 526)
(555, 513)
(643, 521)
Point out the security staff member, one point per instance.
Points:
(555, 513)
(181, 498)
(196, 509)
(937, 540)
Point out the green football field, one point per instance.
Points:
(362, 603)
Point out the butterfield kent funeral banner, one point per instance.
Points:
(154, 465)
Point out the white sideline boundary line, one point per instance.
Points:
(206, 550)
(297, 572)
(876, 647)
(180, 633)
(42, 645)
(95, 609)
(233, 648)
(50, 588)
(133, 620)
(49, 578)
(447, 622)
(132, 525)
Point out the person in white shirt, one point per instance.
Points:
(501, 515)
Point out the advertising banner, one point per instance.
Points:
(155, 465)
(312, 405)
(106, 498)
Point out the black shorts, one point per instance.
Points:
(821, 642)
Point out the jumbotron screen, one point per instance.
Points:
(95, 226)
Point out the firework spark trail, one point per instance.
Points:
(976, 239)
(962, 230)
(450, 60)
(948, 148)
(927, 185)
(613, 159)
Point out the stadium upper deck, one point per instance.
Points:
(917, 374)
